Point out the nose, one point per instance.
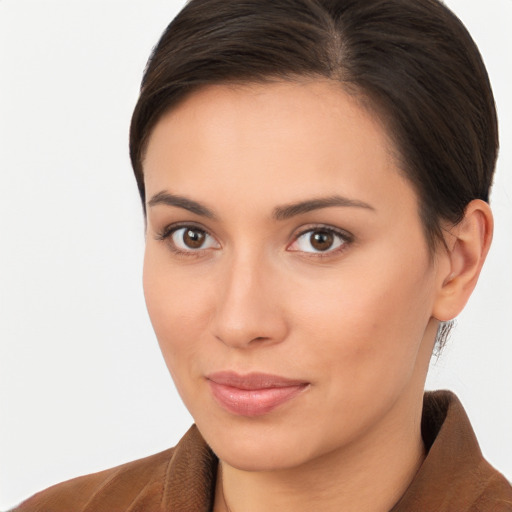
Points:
(249, 309)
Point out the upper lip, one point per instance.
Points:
(253, 380)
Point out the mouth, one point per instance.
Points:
(253, 394)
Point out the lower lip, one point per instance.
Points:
(253, 402)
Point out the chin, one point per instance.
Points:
(261, 457)
(259, 446)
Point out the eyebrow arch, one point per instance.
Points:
(279, 212)
(181, 202)
(290, 210)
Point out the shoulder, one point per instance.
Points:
(113, 489)
(179, 479)
(496, 493)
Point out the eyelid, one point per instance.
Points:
(169, 229)
(346, 238)
(166, 235)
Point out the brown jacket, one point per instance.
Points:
(454, 476)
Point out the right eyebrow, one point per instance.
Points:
(178, 201)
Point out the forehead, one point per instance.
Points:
(302, 102)
(292, 135)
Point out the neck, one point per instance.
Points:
(371, 474)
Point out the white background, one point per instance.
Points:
(82, 383)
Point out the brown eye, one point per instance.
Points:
(189, 239)
(193, 238)
(321, 240)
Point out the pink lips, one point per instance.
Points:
(253, 394)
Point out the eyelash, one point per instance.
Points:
(345, 237)
(166, 236)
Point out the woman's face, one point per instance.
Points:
(286, 272)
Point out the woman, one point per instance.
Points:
(315, 178)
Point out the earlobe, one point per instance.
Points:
(467, 246)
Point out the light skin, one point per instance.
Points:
(282, 238)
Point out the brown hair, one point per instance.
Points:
(412, 61)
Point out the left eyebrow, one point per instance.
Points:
(290, 210)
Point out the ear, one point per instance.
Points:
(467, 243)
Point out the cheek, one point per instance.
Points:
(370, 319)
(179, 310)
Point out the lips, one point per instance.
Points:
(253, 394)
